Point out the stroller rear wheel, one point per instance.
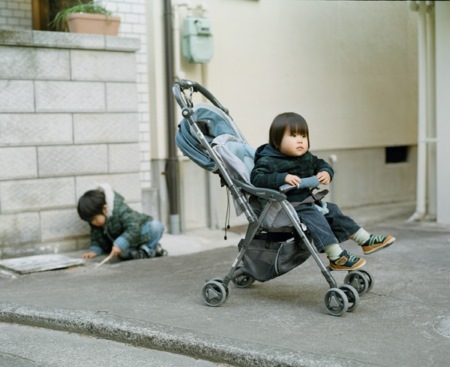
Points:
(369, 278)
(336, 301)
(358, 280)
(214, 293)
(241, 279)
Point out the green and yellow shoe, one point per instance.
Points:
(346, 261)
(375, 243)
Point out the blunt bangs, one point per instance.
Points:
(289, 120)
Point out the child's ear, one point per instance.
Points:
(105, 207)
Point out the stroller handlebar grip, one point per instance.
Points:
(181, 85)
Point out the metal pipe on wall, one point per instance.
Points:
(171, 170)
(431, 112)
(425, 106)
(201, 9)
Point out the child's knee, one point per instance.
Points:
(157, 228)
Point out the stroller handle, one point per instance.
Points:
(185, 102)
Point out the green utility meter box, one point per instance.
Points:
(197, 44)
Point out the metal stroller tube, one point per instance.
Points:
(180, 86)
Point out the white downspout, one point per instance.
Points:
(420, 212)
(431, 113)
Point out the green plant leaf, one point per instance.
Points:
(60, 20)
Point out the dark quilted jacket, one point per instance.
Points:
(123, 226)
(272, 167)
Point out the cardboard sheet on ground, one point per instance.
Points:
(33, 264)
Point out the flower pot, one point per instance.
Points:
(94, 24)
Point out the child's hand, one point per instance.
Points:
(115, 251)
(292, 180)
(324, 177)
(89, 255)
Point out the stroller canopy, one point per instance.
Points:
(213, 122)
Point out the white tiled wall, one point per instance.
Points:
(15, 14)
(132, 13)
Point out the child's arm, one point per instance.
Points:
(263, 175)
(323, 171)
(301, 183)
(307, 182)
(130, 223)
(95, 247)
(115, 251)
(324, 177)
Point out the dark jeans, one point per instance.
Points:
(333, 227)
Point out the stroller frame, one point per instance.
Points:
(338, 299)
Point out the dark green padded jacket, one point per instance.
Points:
(272, 167)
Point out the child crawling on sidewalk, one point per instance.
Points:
(116, 229)
(287, 160)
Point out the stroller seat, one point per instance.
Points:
(275, 241)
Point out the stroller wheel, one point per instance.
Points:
(352, 296)
(369, 278)
(221, 281)
(358, 280)
(214, 293)
(241, 279)
(336, 301)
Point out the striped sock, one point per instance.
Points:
(361, 237)
(333, 251)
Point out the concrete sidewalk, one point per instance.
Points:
(156, 303)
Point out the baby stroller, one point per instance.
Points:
(275, 241)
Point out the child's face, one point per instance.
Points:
(99, 220)
(294, 144)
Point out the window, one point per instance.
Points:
(45, 10)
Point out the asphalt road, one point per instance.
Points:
(25, 346)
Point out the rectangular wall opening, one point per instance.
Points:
(396, 154)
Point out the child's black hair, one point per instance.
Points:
(91, 204)
(296, 123)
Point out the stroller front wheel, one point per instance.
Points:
(352, 296)
(336, 301)
(214, 293)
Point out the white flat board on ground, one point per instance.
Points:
(33, 264)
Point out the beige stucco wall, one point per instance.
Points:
(349, 67)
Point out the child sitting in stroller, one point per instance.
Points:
(287, 159)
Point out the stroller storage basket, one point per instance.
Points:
(269, 255)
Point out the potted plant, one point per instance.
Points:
(87, 18)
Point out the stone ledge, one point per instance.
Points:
(68, 40)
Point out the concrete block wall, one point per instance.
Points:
(17, 15)
(68, 120)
